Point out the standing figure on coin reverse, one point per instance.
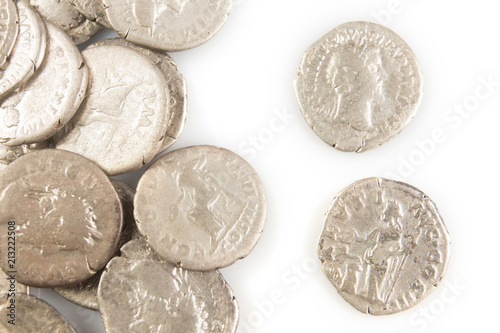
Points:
(384, 246)
(65, 213)
(168, 25)
(201, 207)
(10, 28)
(359, 86)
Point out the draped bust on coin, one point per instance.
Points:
(384, 246)
(359, 86)
(67, 218)
(139, 292)
(201, 207)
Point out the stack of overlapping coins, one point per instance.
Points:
(69, 120)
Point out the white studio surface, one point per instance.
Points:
(241, 97)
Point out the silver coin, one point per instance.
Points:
(177, 108)
(9, 284)
(359, 86)
(122, 122)
(10, 28)
(64, 15)
(85, 293)
(32, 315)
(146, 295)
(201, 207)
(50, 98)
(28, 52)
(10, 154)
(67, 217)
(168, 25)
(93, 10)
(384, 246)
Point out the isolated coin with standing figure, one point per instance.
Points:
(359, 86)
(201, 207)
(384, 246)
(66, 216)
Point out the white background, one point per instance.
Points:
(240, 80)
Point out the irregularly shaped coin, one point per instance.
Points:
(9, 284)
(169, 25)
(146, 295)
(29, 49)
(10, 154)
(359, 86)
(201, 207)
(64, 15)
(67, 218)
(93, 10)
(50, 98)
(85, 293)
(32, 315)
(177, 110)
(10, 28)
(384, 246)
(122, 122)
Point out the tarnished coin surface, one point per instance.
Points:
(9, 31)
(93, 10)
(50, 98)
(359, 86)
(85, 293)
(201, 207)
(10, 154)
(9, 284)
(168, 25)
(177, 108)
(29, 49)
(64, 15)
(32, 315)
(141, 294)
(122, 121)
(66, 214)
(384, 246)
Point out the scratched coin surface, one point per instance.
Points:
(140, 293)
(64, 15)
(67, 218)
(168, 25)
(122, 121)
(85, 293)
(50, 98)
(384, 246)
(28, 52)
(93, 10)
(9, 31)
(10, 154)
(9, 284)
(201, 207)
(176, 84)
(32, 315)
(359, 86)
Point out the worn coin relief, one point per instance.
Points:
(383, 246)
(359, 86)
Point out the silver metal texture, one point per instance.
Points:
(10, 29)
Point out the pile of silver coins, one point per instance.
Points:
(69, 120)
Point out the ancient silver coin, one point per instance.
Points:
(67, 218)
(32, 315)
(64, 15)
(384, 246)
(168, 25)
(201, 207)
(28, 52)
(359, 86)
(93, 10)
(10, 154)
(176, 84)
(9, 284)
(85, 293)
(122, 122)
(50, 98)
(9, 31)
(139, 293)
